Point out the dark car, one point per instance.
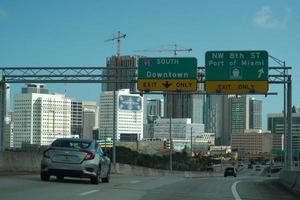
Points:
(210, 169)
(230, 171)
(73, 157)
(257, 168)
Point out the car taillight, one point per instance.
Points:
(89, 155)
(46, 153)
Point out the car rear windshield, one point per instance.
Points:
(71, 144)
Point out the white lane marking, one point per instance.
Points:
(234, 192)
(135, 181)
(88, 192)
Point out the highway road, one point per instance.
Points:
(248, 185)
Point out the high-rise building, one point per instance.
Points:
(40, 117)
(185, 106)
(90, 119)
(8, 131)
(255, 114)
(76, 118)
(239, 114)
(230, 114)
(276, 126)
(120, 71)
(128, 115)
(217, 118)
(84, 118)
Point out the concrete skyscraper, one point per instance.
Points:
(90, 118)
(217, 118)
(185, 106)
(276, 126)
(76, 118)
(255, 114)
(128, 115)
(239, 114)
(40, 117)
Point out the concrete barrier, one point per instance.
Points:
(144, 171)
(30, 162)
(291, 180)
(20, 161)
(297, 185)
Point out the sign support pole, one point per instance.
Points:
(289, 124)
(170, 130)
(284, 117)
(2, 114)
(114, 130)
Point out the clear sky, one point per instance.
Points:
(72, 33)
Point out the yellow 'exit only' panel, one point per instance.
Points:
(167, 85)
(236, 87)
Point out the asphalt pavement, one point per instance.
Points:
(248, 185)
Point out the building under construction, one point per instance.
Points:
(121, 72)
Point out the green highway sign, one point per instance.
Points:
(236, 65)
(167, 68)
(167, 74)
(234, 72)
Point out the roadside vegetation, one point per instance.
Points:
(182, 161)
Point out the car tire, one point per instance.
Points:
(96, 179)
(106, 179)
(60, 178)
(45, 176)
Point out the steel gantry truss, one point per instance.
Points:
(62, 75)
(277, 75)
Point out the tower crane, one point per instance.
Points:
(117, 58)
(175, 50)
(118, 38)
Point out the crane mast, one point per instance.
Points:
(118, 38)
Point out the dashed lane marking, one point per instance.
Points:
(88, 192)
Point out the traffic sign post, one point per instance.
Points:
(167, 74)
(236, 72)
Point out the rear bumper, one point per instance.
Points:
(229, 174)
(85, 169)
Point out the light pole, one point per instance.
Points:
(191, 141)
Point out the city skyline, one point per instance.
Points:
(43, 34)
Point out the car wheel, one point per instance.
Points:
(45, 176)
(60, 178)
(106, 179)
(96, 179)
